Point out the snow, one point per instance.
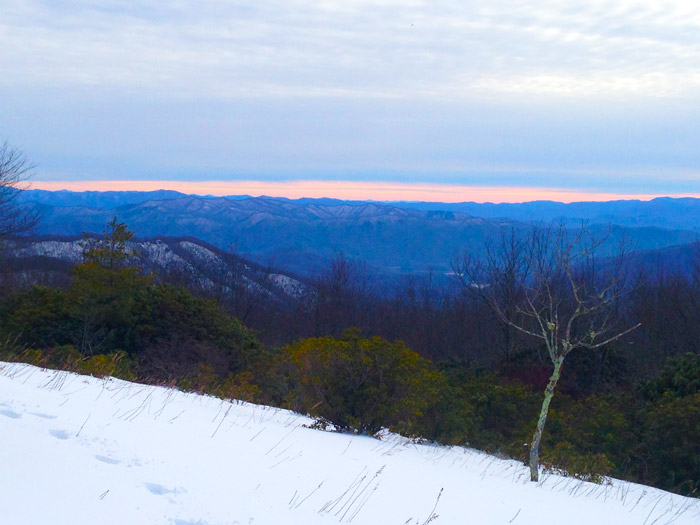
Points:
(71, 251)
(78, 449)
(158, 252)
(289, 286)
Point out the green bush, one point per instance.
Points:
(668, 426)
(239, 386)
(358, 384)
(32, 356)
(67, 357)
(174, 332)
(111, 306)
(10, 348)
(116, 364)
(38, 318)
(599, 424)
(566, 459)
(484, 411)
(168, 329)
(60, 358)
(679, 377)
(582, 439)
(670, 444)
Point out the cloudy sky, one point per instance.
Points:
(438, 98)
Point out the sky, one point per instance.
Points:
(440, 99)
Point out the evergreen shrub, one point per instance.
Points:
(358, 384)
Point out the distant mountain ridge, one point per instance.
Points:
(663, 212)
(302, 236)
(192, 260)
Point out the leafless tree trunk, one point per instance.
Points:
(551, 286)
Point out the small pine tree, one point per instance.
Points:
(109, 252)
(104, 290)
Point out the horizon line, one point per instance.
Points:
(358, 190)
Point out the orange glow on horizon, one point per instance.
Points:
(352, 190)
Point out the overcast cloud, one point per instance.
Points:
(598, 95)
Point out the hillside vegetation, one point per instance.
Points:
(631, 410)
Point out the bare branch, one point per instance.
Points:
(14, 169)
(563, 299)
(611, 339)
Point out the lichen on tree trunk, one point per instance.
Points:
(537, 437)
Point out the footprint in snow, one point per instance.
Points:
(10, 413)
(59, 434)
(43, 416)
(108, 460)
(159, 490)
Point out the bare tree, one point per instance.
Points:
(14, 170)
(240, 287)
(551, 286)
(342, 297)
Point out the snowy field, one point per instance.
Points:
(81, 450)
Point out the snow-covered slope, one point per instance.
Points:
(78, 449)
(203, 264)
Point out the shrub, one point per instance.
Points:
(487, 412)
(64, 357)
(669, 426)
(32, 356)
(239, 387)
(680, 377)
(565, 459)
(669, 443)
(358, 384)
(175, 332)
(116, 364)
(38, 318)
(10, 348)
(171, 331)
(203, 381)
(599, 424)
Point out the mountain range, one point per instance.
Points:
(663, 212)
(301, 236)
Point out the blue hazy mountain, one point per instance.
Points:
(302, 235)
(663, 212)
(297, 237)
